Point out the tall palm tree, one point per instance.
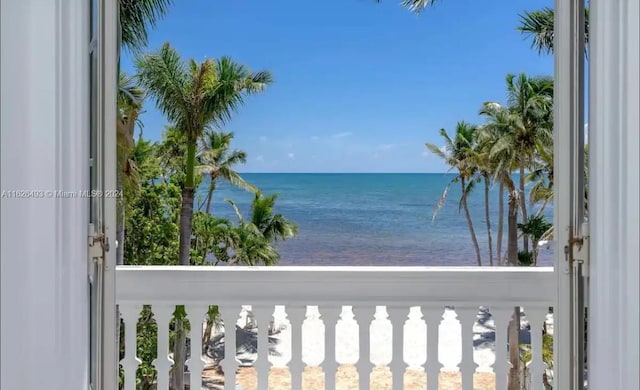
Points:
(218, 163)
(457, 155)
(530, 103)
(480, 158)
(539, 24)
(194, 97)
(504, 157)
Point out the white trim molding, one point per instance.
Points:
(44, 146)
(614, 125)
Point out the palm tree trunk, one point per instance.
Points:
(514, 350)
(186, 218)
(488, 218)
(186, 213)
(512, 222)
(523, 207)
(212, 187)
(179, 355)
(470, 222)
(500, 225)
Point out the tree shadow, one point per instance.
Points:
(246, 345)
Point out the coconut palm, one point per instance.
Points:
(530, 104)
(495, 136)
(539, 24)
(218, 162)
(273, 227)
(535, 228)
(480, 157)
(194, 97)
(457, 154)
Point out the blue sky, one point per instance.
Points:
(359, 86)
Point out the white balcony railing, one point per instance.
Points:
(439, 318)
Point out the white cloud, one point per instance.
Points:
(315, 138)
(260, 158)
(342, 135)
(291, 156)
(263, 138)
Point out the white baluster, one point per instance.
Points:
(296, 317)
(263, 315)
(196, 315)
(536, 317)
(330, 315)
(229, 364)
(467, 317)
(163, 363)
(433, 317)
(130, 363)
(501, 317)
(398, 317)
(364, 316)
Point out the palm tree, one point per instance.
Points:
(539, 24)
(273, 227)
(535, 228)
(480, 158)
(129, 105)
(218, 161)
(494, 134)
(530, 103)
(456, 154)
(194, 97)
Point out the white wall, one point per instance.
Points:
(44, 124)
(615, 196)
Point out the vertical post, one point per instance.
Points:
(568, 180)
(106, 175)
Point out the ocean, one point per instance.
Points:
(380, 219)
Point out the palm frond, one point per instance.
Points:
(235, 209)
(235, 179)
(136, 16)
(416, 6)
(165, 79)
(440, 203)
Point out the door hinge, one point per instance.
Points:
(577, 250)
(98, 245)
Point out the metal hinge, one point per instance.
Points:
(577, 250)
(98, 245)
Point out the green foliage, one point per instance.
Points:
(152, 227)
(535, 227)
(525, 258)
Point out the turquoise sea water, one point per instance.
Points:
(370, 219)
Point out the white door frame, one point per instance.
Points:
(107, 339)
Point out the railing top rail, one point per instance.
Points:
(474, 286)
